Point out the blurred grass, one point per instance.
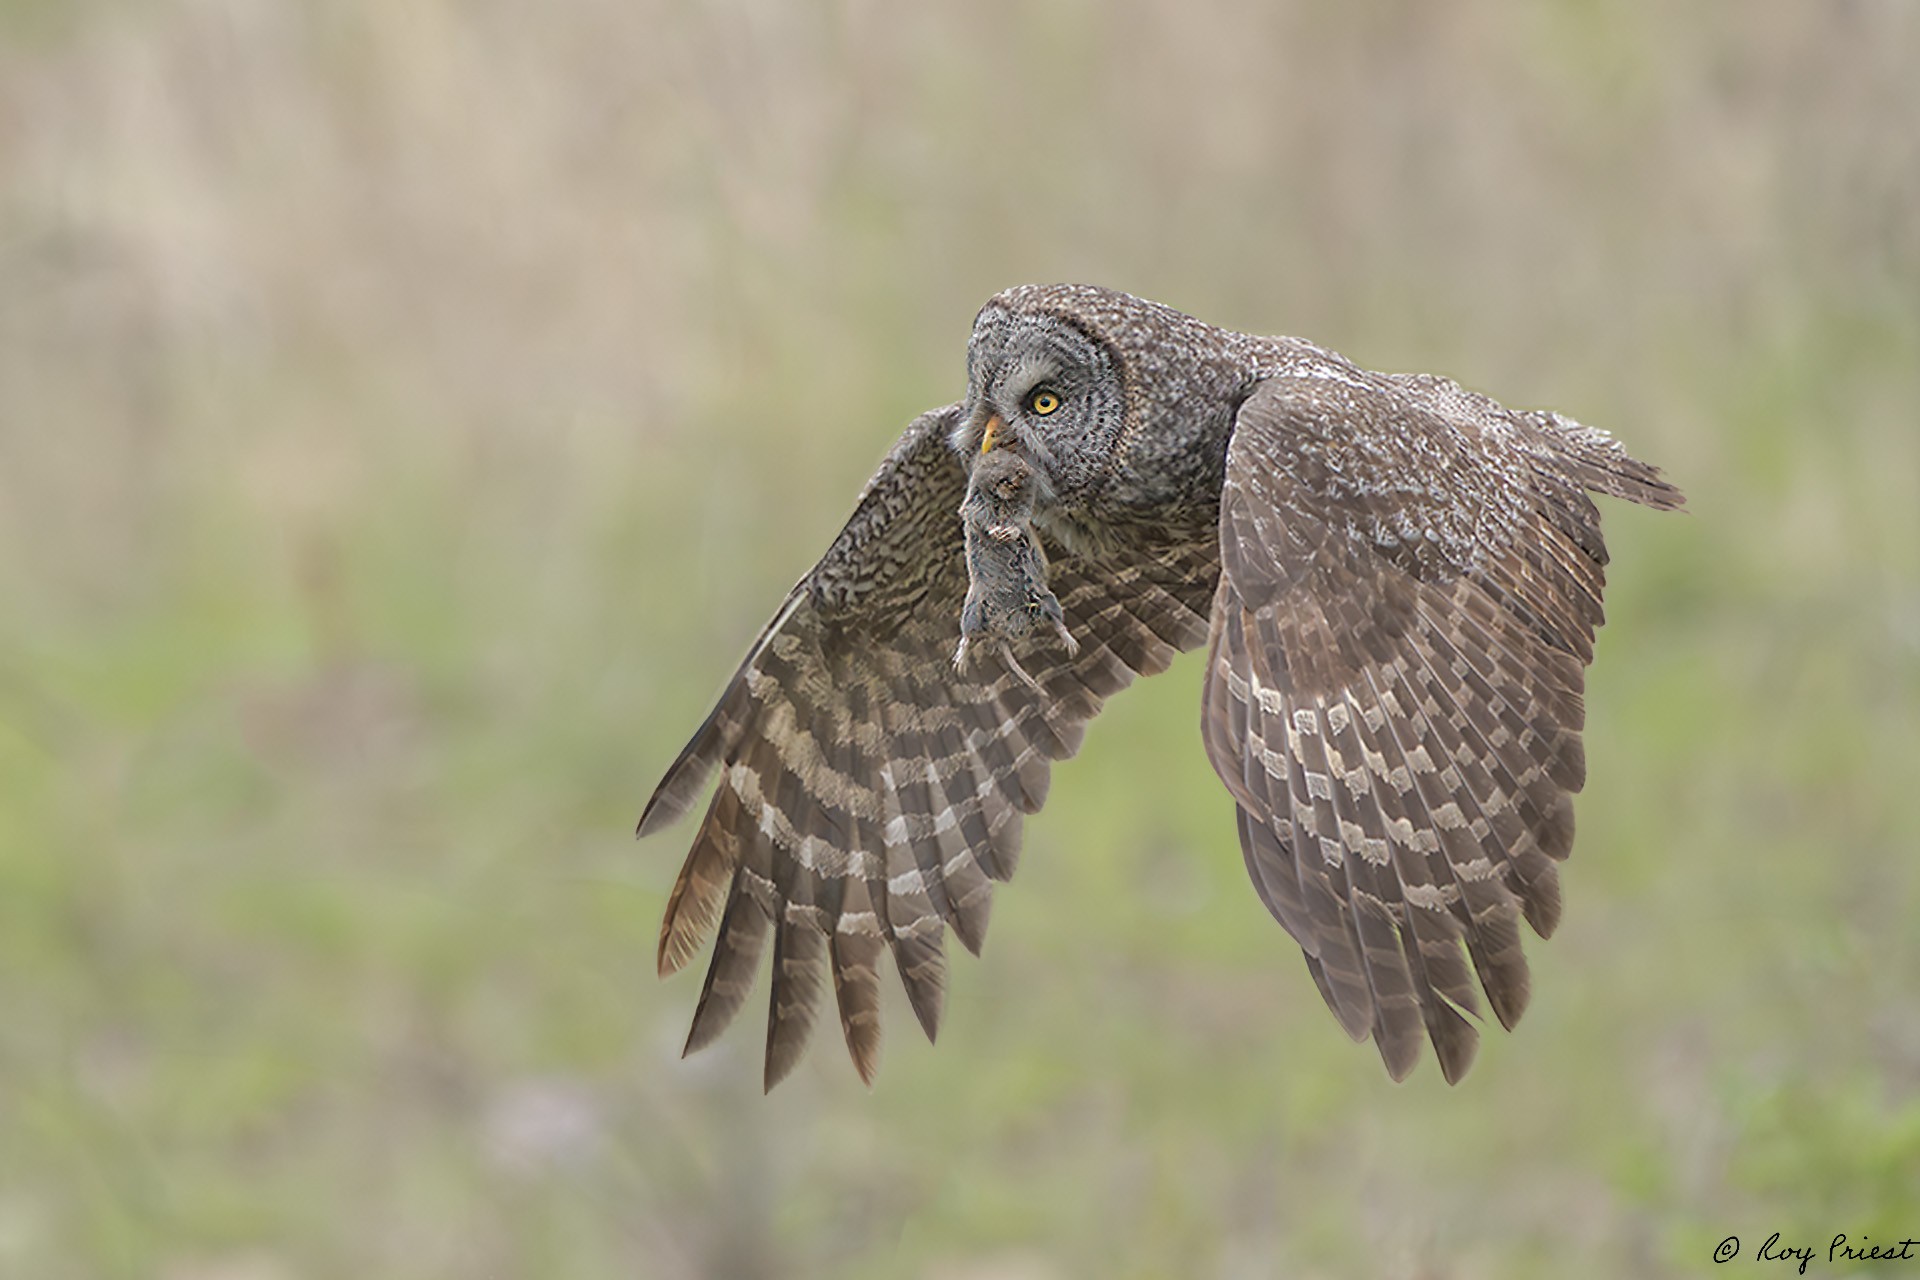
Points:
(408, 412)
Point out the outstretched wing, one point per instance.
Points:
(1411, 579)
(869, 795)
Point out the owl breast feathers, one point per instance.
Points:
(1397, 582)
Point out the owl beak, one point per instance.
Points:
(994, 426)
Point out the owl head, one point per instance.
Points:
(1040, 384)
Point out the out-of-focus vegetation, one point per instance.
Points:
(408, 412)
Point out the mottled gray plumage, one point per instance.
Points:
(1397, 581)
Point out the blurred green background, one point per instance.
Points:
(409, 410)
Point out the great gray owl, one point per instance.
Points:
(1397, 581)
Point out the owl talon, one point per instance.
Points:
(1066, 638)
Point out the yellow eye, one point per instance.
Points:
(1043, 402)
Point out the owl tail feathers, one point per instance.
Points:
(1599, 463)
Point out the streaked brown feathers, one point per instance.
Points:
(1398, 582)
(1397, 710)
(869, 796)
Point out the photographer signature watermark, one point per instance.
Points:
(1841, 1249)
